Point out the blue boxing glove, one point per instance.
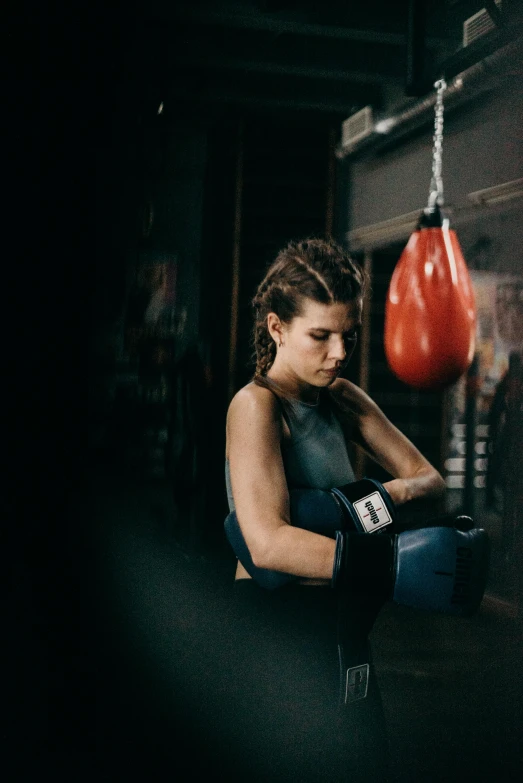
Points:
(439, 569)
(360, 507)
(311, 509)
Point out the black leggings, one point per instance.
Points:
(290, 676)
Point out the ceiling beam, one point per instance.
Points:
(271, 24)
(272, 91)
(230, 96)
(284, 69)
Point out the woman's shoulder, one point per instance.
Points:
(253, 400)
(254, 417)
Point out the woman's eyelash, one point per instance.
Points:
(323, 337)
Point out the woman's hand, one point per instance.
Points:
(426, 486)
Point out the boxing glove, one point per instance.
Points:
(362, 506)
(310, 509)
(439, 569)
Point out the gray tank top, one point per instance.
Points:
(315, 456)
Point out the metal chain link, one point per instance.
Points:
(436, 183)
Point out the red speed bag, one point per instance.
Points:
(430, 313)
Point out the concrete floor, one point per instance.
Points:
(451, 688)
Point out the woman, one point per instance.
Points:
(291, 427)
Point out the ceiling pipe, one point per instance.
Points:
(480, 77)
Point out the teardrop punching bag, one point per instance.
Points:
(430, 314)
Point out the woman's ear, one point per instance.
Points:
(275, 328)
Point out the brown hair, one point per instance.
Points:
(315, 269)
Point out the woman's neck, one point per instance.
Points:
(293, 387)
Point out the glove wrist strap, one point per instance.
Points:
(364, 564)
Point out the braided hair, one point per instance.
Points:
(314, 269)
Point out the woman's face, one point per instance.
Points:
(317, 344)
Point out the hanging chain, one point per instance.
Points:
(436, 183)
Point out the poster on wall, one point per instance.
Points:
(151, 310)
(499, 336)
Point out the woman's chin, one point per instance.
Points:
(328, 377)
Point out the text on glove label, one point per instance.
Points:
(372, 512)
(462, 579)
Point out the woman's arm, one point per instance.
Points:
(414, 477)
(260, 490)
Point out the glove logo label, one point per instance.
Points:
(356, 683)
(372, 512)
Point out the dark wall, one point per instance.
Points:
(285, 191)
(179, 171)
(175, 155)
